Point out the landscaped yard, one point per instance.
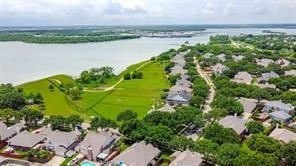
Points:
(137, 94)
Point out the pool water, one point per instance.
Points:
(87, 163)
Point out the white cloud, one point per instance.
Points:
(92, 12)
(230, 9)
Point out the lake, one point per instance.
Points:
(23, 62)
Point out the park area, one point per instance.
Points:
(135, 94)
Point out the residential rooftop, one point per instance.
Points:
(7, 132)
(290, 73)
(243, 77)
(283, 135)
(26, 139)
(264, 62)
(137, 154)
(279, 105)
(248, 104)
(267, 76)
(186, 158)
(237, 124)
(98, 142)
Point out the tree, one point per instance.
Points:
(85, 77)
(174, 78)
(181, 143)
(251, 159)
(126, 115)
(11, 97)
(199, 121)
(7, 114)
(74, 120)
(229, 104)
(196, 101)
(207, 147)
(254, 127)
(220, 135)
(264, 144)
(96, 74)
(38, 98)
(289, 151)
(127, 76)
(227, 153)
(159, 135)
(57, 122)
(51, 87)
(217, 113)
(75, 93)
(260, 94)
(129, 126)
(101, 122)
(36, 116)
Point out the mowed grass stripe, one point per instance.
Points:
(137, 94)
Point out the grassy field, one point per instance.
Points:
(138, 94)
(54, 101)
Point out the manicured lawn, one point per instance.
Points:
(55, 102)
(137, 94)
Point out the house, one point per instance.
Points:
(184, 83)
(60, 142)
(280, 116)
(186, 158)
(139, 154)
(178, 98)
(248, 104)
(278, 106)
(237, 58)
(290, 73)
(235, 123)
(219, 68)
(9, 132)
(185, 77)
(26, 140)
(264, 62)
(179, 60)
(98, 146)
(177, 69)
(180, 88)
(266, 76)
(221, 57)
(283, 135)
(167, 108)
(243, 77)
(292, 125)
(266, 85)
(207, 55)
(282, 62)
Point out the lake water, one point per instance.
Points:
(22, 62)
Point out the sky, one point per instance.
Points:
(144, 12)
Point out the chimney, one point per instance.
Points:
(89, 154)
(77, 133)
(17, 130)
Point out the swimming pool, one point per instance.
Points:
(87, 163)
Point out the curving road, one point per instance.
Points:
(207, 106)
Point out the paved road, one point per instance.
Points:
(212, 91)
